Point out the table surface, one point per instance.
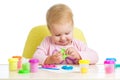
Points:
(96, 72)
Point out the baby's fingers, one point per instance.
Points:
(69, 52)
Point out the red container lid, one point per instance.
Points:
(19, 57)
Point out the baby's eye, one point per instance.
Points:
(67, 33)
(57, 35)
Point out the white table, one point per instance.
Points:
(96, 72)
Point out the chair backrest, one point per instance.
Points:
(37, 34)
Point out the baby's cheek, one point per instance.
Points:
(70, 38)
(55, 39)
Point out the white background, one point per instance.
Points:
(98, 19)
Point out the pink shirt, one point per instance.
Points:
(47, 47)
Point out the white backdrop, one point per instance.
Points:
(98, 19)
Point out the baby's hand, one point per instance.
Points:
(71, 52)
(56, 57)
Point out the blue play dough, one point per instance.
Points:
(67, 67)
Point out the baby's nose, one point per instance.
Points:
(63, 38)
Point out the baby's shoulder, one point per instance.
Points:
(47, 39)
(78, 42)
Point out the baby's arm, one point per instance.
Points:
(45, 57)
(40, 55)
(87, 53)
(56, 58)
(81, 51)
(41, 52)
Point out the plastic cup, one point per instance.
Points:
(13, 62)
(34, 65)
(26, 66)
(84, 65)
(109, 66)
(19, 66)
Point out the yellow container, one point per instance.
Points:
(84, 65)
(13, 64)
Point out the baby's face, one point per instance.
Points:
(62, 34)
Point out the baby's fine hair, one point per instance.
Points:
(59, 14)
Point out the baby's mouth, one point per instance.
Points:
(64, 43)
